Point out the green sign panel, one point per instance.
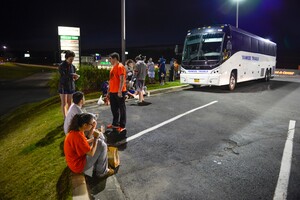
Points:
(66, 37)
(105, 63)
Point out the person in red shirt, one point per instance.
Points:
(80, 156)
(117, 91)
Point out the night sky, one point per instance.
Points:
(32, 25)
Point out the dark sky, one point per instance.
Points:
(32, 25)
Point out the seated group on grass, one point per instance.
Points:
(84, 145)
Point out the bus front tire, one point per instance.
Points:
(232, 81)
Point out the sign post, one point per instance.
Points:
(69, 39)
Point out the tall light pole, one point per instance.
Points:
(237, 13)
(123, 30)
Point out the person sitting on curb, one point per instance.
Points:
(76, 108)
(80, 156)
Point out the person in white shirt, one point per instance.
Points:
(75, 108)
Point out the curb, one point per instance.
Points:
(79, 187)
(113, 190)
(157, 91)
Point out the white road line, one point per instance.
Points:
(286, 162)
(162, 124)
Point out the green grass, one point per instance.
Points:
(12, 71)
(166, 85)
(31, 146)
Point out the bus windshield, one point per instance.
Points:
(205, 46)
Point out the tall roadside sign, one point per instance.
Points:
(69, 39)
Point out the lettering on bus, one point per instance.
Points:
(197, 71)
(250, 58)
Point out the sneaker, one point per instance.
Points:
(143, 103)
(120, 129)
(110, 172)
(110, 126)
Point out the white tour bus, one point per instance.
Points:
(225, 55)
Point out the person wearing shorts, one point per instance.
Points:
(151, 70)
(67, 79)
(140, 73)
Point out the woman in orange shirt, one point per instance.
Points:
(80, 156)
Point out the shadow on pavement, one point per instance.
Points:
(63, 185)
(95, 185)
(114, 137)
(246, 87)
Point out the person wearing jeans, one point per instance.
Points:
(117, 91)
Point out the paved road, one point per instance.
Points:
(30, 89)
(231, 149)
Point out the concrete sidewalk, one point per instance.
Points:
(109, 188)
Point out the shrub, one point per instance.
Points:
(90, 79)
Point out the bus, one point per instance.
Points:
(225, 55)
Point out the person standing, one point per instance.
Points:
(176, 68)
(140, 72)
(67, 79)
(171, 71)
(151, 71)
(162, 70)
(117, 91)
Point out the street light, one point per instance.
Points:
(237, 12)
(4, 48)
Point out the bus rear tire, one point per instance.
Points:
(232, 81)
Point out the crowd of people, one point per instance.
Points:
(85, 146)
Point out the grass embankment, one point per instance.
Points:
(31, 146)
(13, 71)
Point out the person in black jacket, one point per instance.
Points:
(67, 79)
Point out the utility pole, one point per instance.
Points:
(237, 13)
(123, 39)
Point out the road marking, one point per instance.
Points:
(162, 124)
(286, 162)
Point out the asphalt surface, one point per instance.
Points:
(231, 149)
(28, 90)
